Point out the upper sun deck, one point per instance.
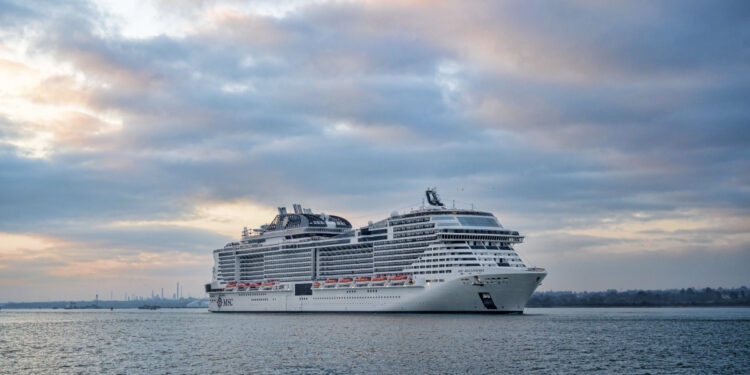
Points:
(302, 218)
(303, 223)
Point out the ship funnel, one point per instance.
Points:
(282, 210)
(297, 208)
(433, 198)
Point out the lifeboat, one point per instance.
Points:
(330, 283)
(379, 281)
(362, 281)
(230, 286)
(398, 280)
(316, 285)
(270, 283)
(345, 282)
(253, 285)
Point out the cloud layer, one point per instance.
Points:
(613, 135)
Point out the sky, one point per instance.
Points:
(136, 137)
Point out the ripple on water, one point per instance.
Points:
(606, 341)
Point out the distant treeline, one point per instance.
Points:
(106, 304)
(636, 298)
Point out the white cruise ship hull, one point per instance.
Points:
(499, 292)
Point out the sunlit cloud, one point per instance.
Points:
(226, 218)
(49, 104)
(126, 266)
(27, 247)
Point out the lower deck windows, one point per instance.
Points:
(431, 272)
(355, 297)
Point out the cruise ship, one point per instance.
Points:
(431, 259)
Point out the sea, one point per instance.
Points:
(542, 341)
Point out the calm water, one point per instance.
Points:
(626, 341)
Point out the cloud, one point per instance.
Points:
(216, 217)
(608, 128)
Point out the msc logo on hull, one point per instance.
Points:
(223, 302)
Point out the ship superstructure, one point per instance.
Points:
(430, 259)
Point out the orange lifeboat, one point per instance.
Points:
(270, 283)
(397, 278)
(316, 284)
(253, 285)
(363, 279)
(380, 279)
(345, 280)
(331, 281)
